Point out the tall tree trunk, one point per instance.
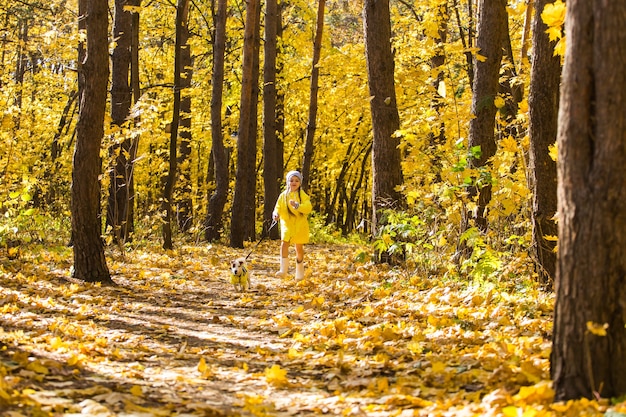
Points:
(272, 171)
(21, 64)
(121, 96)
(215, 212)
(89, 260)
(437, 63)
(242, 223)
(136, 94)
(528, 22)
(466, 41)
(543, 103)
(280, 111)
(492, 25)
(386, 160)
(184, 201)
(591, 278)
(315, 75)
(182, 13)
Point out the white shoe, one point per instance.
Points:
(300, 270)
(284, 268)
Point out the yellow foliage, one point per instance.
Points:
(597, 329)
(275, 375)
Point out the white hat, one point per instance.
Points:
(292, 173)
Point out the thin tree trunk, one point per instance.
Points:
(184, 203)
(215, 212)
(386, 166)
(244, 198)
(543, 103)
(437, 63)
(121, 97)
(272, 172)
(315, 75)
(182, 12)
(528, 22)
(492, 26)
(89, 260)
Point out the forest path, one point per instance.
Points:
(172, 337)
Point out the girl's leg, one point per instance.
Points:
(284, 259)
(299, 252)
(299, 261)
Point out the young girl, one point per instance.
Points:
(292, 208)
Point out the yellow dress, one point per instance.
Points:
(294, 224)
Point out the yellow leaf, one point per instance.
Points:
(73, 360)
(541, 392)
(204, 369)
(554, 33)
(382, 384)
(481, 58)
(499, 102)
(276, 375)
(510, 411)
(554, 14)
(37, 367)
(202, 366)
(509, 144)
(132, 9)
(438, 367)
(136, 390)
(57, 343)
(597, 329)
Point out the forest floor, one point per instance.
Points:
(173, 338)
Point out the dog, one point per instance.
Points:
(239, 274)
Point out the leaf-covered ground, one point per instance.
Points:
(173, 338)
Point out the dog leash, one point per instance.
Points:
(267, 232)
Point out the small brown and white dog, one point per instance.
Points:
(239, 274)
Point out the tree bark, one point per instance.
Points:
(386, 160)
(242, 221)
(89, 260)
(492, 25)
(315, 75)
(272, 171)
(543, 103)
(184, 200)
(215, 212)
(591, 278)
(120, 176)
(182, 13)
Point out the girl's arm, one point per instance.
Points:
(305, 205)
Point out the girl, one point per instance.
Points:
(292, 208)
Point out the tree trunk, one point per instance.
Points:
(466, 41)
(215, 212)
(315, 75)
(591, 205)
(119, 198)
(182, 12)
(89, 261)
(242, 223)
(272, 171)
(386, 167)
(543, 103)
(184, 200)
(492, 25)
(437, 63)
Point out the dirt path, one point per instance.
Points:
(172, 338)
